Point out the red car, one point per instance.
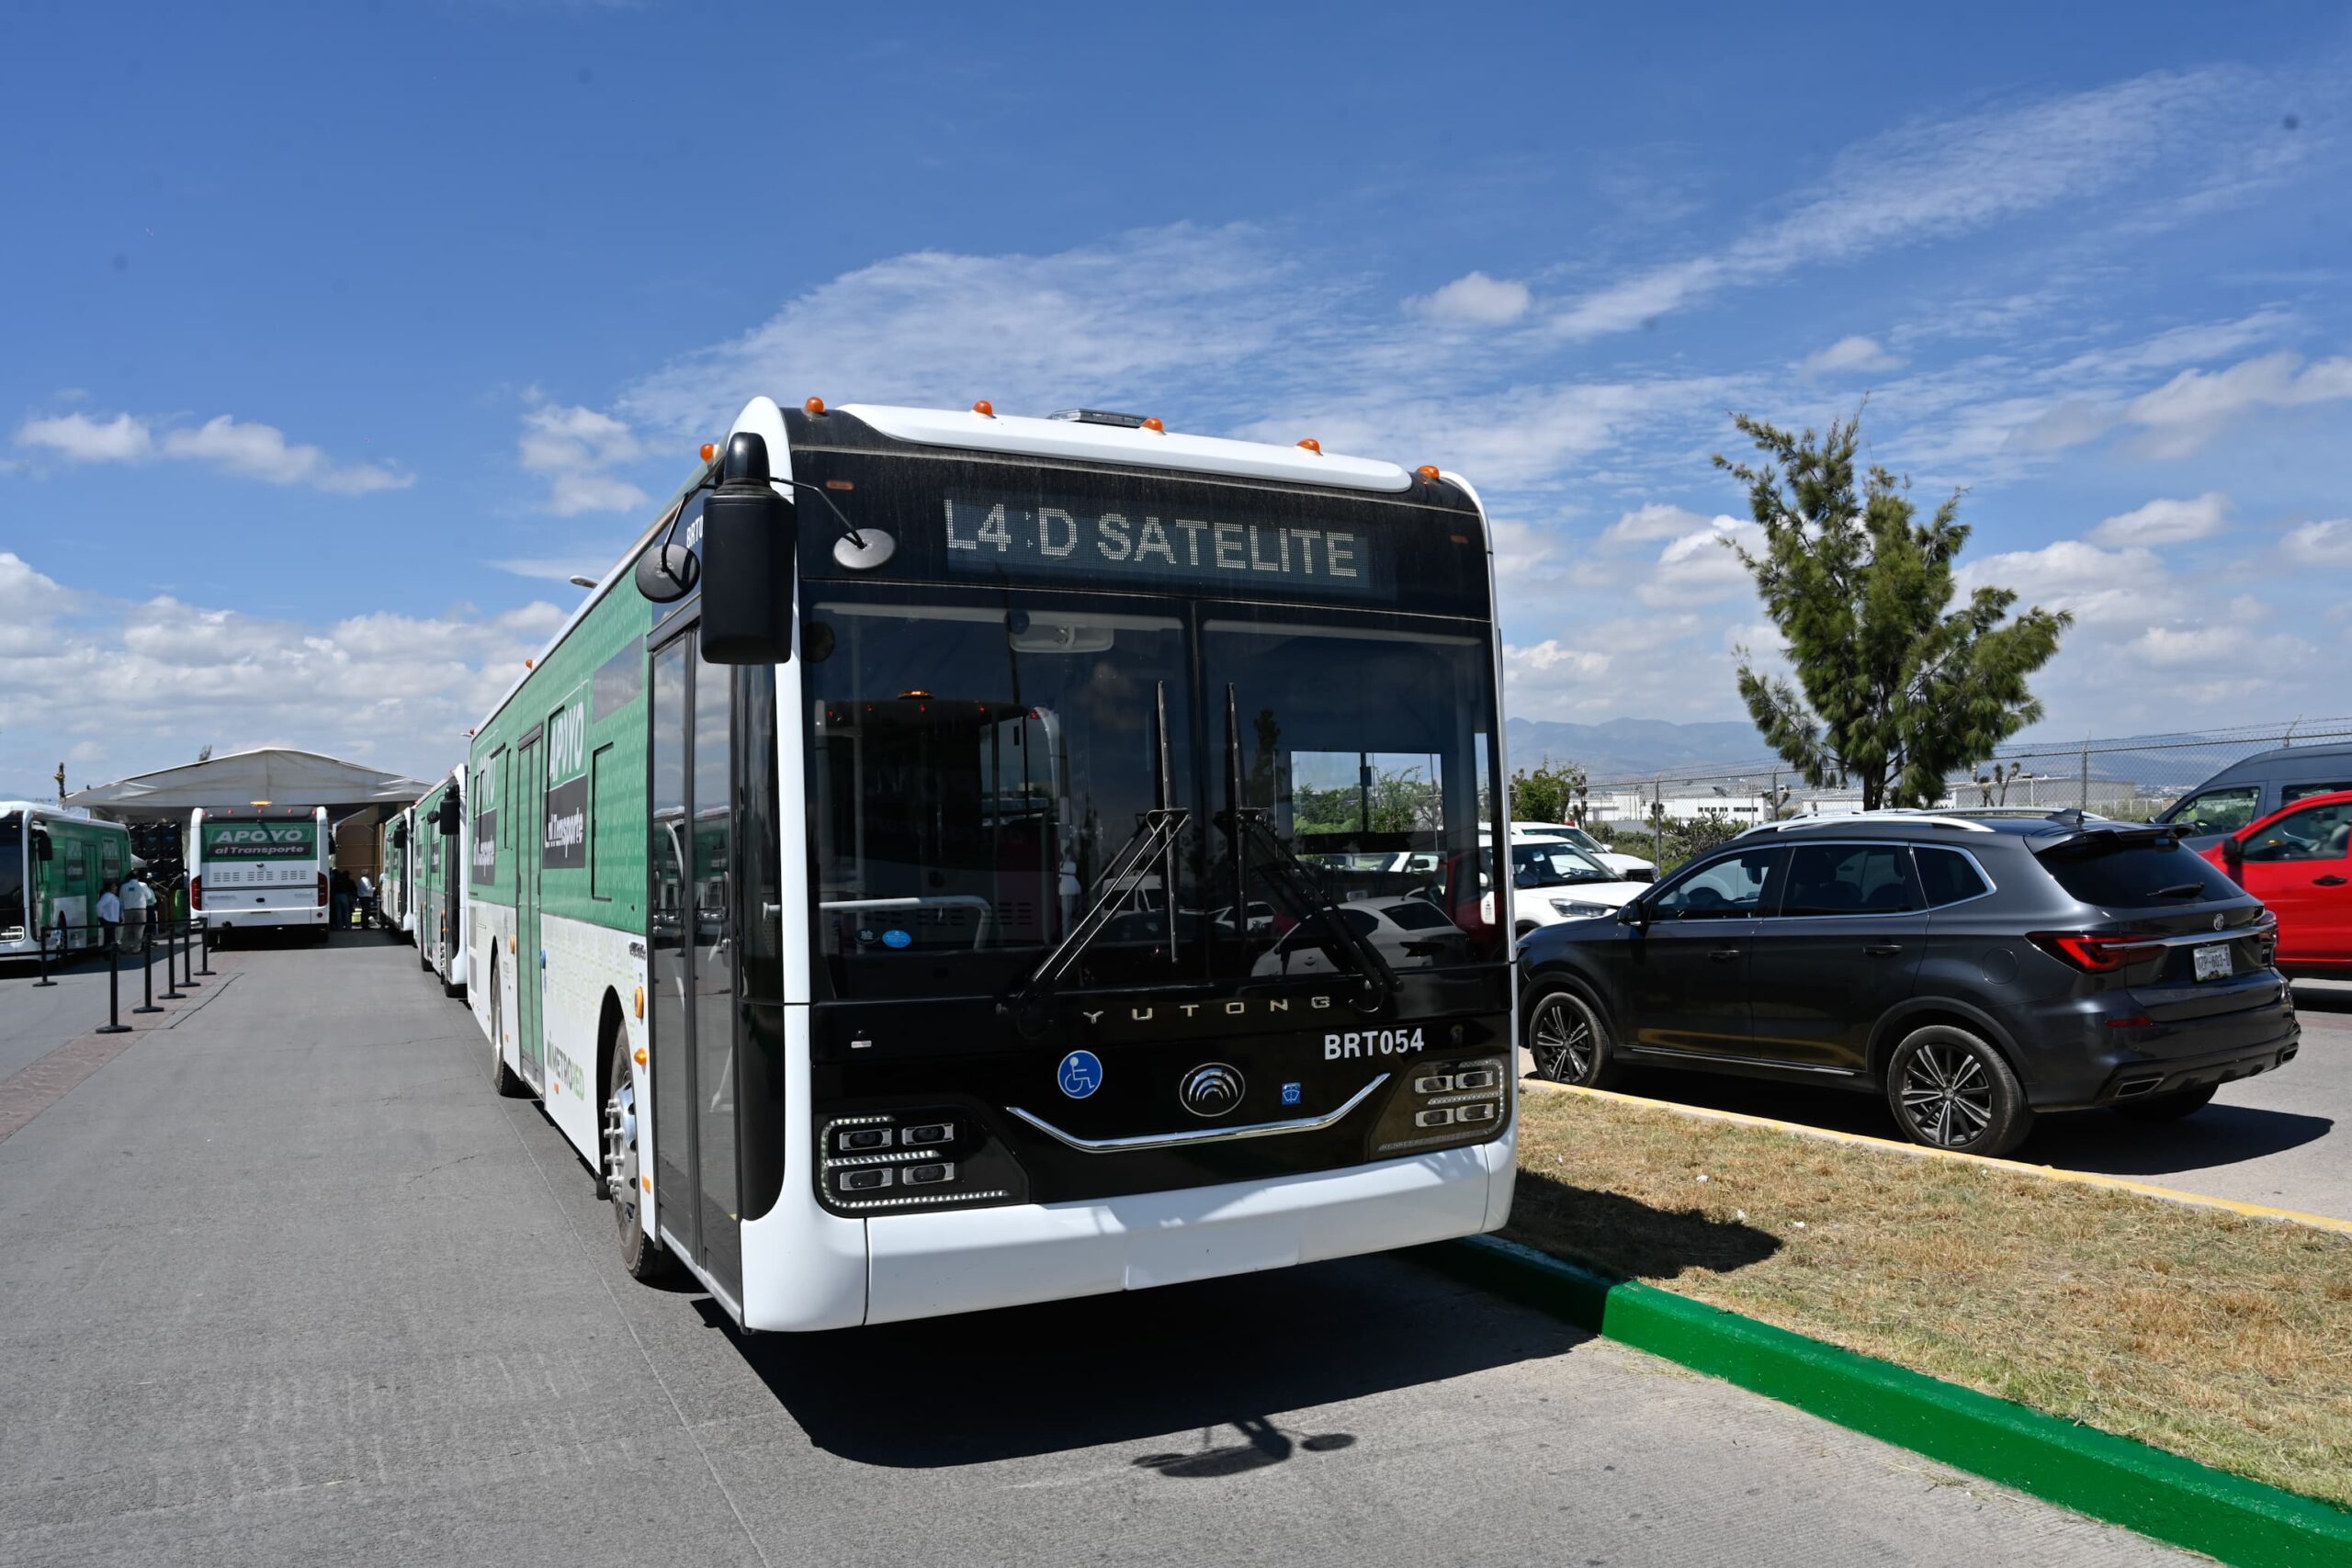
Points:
(2298, 861)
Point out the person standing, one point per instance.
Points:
(339, 901)
(137, 900)
(109, 915)
(366, 900)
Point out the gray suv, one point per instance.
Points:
(1974, 968)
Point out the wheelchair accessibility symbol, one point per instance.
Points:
(1080, 1075)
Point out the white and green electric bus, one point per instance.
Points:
(439, 909)
(259, 868)
(913, 879)
(395, 884)
(53, 865)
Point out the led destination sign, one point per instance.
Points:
(990, 535)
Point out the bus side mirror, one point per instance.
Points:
(445, 816)
(667, 573)
(749, 540)
(400, 835)
(40, 847)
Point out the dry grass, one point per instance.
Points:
(2225, 1339)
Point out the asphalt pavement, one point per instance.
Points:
(286, 1284)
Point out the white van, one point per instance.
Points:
(259, 869)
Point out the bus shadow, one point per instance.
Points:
(1221, 1361)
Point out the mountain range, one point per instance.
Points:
(1632, 747)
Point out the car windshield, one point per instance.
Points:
(980, 763)
(1555, 864)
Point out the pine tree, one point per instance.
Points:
(1899, 689)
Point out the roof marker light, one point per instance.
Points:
(1428, 471)
(1155, 427)
(815, 406)
(709, 450)
(985, 409)
(1311, 445)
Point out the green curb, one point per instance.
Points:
(2082, 1468)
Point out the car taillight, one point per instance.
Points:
(2096, 952)
(323, 890)
(196, 893)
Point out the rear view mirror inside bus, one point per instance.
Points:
(748, 538)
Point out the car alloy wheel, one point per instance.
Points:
(1565, 1039)
(1947, 1096)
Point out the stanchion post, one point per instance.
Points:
(171, 992)
(187, 953)
(147, 962)
(42, 947)
(113, 1024)
(203, 943)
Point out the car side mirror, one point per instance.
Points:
(1633, 915)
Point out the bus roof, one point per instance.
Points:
(1077, 440)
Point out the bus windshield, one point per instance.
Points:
(980, 760)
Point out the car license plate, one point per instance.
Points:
(2213, 962)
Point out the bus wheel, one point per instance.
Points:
(502, 1078)
(624, 1175)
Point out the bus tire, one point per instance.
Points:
(502, 1078)
(641, 1255)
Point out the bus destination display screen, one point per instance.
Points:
(1196, 547)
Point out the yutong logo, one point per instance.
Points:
(1211, 1090)
(1232, 1007)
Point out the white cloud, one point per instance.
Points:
(1475, 299)
(1653, 522)
(2166, 522)
(247, 449)
(1939, 178)
(78, 438)
(2191, 409)
(152, 681)
(1109, 324)
(2327, 543)
(576, 448)
(2172, 645)
(2117, 587)
(1703, 565)
(1850, 353)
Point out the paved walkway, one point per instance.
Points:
(286, 1284)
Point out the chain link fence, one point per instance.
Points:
(2133, 777)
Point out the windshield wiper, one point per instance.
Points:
(1152, 846)
(2179, 890)
(1290, 879)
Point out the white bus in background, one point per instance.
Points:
(259, 869)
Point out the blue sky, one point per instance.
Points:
(338, 337)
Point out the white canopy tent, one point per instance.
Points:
(276, 775)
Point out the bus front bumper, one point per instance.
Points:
(971, 1261)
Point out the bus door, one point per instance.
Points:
(530, 956)
(692, 960)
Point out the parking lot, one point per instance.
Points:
(288, 1284)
